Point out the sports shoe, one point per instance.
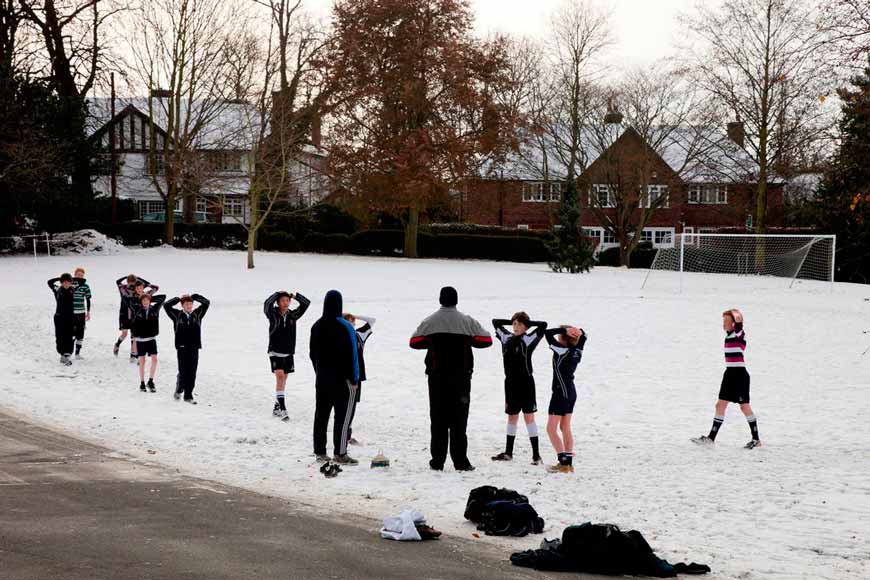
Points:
(116, 348)
(190, 401)
(561, 468)
(276, 410)
(353, 441)
(537, 460)
(142, 387)
(320, 458)
(151, 386)
(502, 457)
(702, 440)
(176, 395)
(330, 469)
(282, 414)
(435, 466)
(467, 467)
(345, 460)
(134, 359)
(65, 360)
(752, 444)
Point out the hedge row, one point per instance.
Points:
(641, 257)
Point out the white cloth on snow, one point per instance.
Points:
(402, 527)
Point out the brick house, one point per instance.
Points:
(701, 192)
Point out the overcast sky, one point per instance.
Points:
(645, 30)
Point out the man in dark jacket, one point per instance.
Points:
(448, 336)
(64, 319)
(282, 341)
(334, 356)
(188, 340)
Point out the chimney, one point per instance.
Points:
(316, 131)
(737, 133)
(613, 117)
(161, 93)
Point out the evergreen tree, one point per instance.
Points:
(843, 201)
(569, 251)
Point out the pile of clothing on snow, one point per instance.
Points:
(408, 526)
(502, 512)
(602, 549)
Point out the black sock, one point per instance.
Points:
(78, 348)
(536, 454)
(563, 458)
(569, 459)
(714, 430)
(509, 445)
(281, 404)
(753, 426)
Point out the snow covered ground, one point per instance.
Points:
(798, 508)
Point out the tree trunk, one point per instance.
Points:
(411, 230)
(188, 208)
(624, 256)
(169, 232)
(252, 245)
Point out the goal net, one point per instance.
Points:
(792, 257)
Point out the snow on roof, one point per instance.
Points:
(696, 154)
(225, 125)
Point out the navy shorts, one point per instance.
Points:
(519, 395)
(146, 348)
(123, 322)
(282, 363)
(735, 385)
(560, 404)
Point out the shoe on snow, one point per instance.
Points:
(427, 532)
(65, 360)
(276, 409)
(345, 460)
(190, 401)
(332, 471)
(142, 387)
(116, 348)
(537, 460)
(320, 458)
(282, 414)
(467, 467)
(561, 468)
(176, 395)
(151, 386)
(353, 441)
(134, 359)
(702, 440)
(752, 444)
(502, 457)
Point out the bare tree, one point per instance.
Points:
(179, 55)
(848, 24)
(662, 126)
(762, 63)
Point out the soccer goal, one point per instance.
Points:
(806, 257)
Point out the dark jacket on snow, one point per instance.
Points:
(282, 328)
(448, 335)
(333, 348)
(146, 321)
(63, 296)
(188, 327)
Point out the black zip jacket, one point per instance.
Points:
(188, 327)
(146, 322)
(282, 329)
(565, 359)
(517, 350)
(333, 346)
(63, 296)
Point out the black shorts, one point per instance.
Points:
(560, 404)
(80, 323)
(282, 363)
(735, 385)
(519, 395)
(123, 322)
(146, 347)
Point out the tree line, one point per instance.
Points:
(411, 102)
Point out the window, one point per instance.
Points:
(225, 161)
(592, 233)
(654, 193)
(151, 210)
(646, 236)
(201, 205)
(663, 237)
(522, 226)
(603, 196)
(156, 164)
(556, 190)
(234, 207)
(708, 194)
(689, 235)
(533, 191)
(608, 237)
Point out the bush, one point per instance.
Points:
(276, 241)
(377, 243)
(641, 257)
(515, 249)
(326, 243)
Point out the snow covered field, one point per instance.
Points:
(798, 508)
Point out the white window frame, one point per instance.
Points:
(660, 190)
(689, 235)
(556, 190)
(708, 194)
(234, 207)
(148, 206)
(533, 192)
(597, 190)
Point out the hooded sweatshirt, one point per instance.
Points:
(449, 335)
(333, 345)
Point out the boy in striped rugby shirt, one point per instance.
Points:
(81, 307)
(735, 381)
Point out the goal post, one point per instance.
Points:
(788, 256)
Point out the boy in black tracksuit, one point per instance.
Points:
(188, 340)
(333, 353)
(362, 335)
(567, 345)
(145, 328)
(517, 345)
(64, 319)
(282, 341)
